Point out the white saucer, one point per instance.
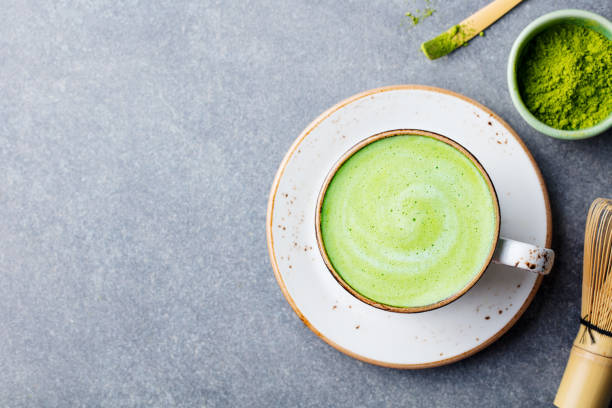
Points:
(427, 339)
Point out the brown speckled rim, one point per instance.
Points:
(270, 239)
(360, 145)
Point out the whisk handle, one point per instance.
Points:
(587, 381)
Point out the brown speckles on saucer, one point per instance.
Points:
(290, 267)
(500, 312)
(441, 354)
(487, 317)
(490, 124)
(357, 327)
(334, 307)
(477, 339)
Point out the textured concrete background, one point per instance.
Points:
(138, 142)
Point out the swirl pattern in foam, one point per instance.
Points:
(408, 221)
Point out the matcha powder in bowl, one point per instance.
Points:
(560, 75)
(565, 77)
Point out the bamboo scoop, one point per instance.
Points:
(587, 381)
(459, 34)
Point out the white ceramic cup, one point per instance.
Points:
(503, 250)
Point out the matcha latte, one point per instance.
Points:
(408, 221)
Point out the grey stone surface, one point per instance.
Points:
(138, 142)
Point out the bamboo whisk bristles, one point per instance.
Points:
(587, 380)
(597, 267)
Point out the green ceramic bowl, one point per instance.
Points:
(580, 17)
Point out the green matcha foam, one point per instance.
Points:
(408, 221)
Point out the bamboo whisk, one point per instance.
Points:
(587, 381)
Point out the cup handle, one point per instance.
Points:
(524, 256)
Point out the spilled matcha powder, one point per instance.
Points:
(565, 77)
(418, 16)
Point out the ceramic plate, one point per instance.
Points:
(426, 339)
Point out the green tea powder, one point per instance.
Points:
(565, 77)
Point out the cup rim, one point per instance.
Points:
(526, 35)
(360, 145)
